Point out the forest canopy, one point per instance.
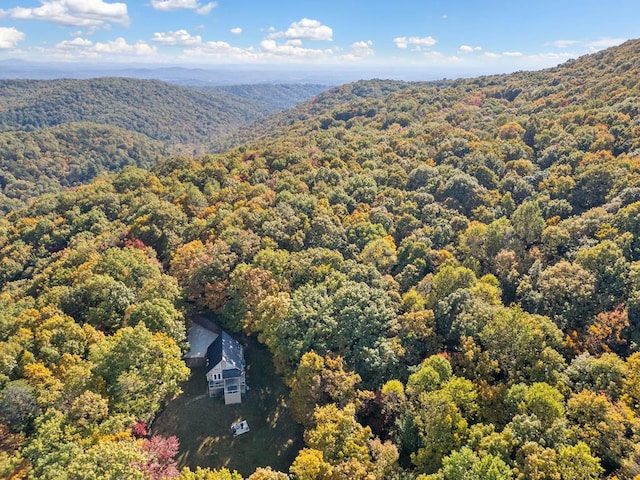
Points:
(447, 276)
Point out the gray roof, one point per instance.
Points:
(199, 339)
(226, 348)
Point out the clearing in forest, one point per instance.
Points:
(202, 424)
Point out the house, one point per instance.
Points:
(221, 355)
(225, 368)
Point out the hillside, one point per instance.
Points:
(575, 83)
(351, 97)
(60, 133)
(162, 111)
(47, 160)
(446, 276)
(272, 97)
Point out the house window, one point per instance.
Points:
(217, 376)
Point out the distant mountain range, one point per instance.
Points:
(216, 75)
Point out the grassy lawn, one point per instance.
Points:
(202, 423)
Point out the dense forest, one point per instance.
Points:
(447, 277)
(59, 133)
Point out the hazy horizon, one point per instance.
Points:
(402, 39)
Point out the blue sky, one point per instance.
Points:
(462, 37)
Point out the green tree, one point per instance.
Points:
(575, 462)
(158, 315)
(140, 370)
(528, 222)
(441, 428)
(609, 267)
(464, 464)
(567, 292)
(625, 220)
(101, 301)
(524, 345)
(430, 375)
(607, 373)
(54, 453)
(541, 400)
(450, 278)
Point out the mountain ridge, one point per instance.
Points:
(152, 118)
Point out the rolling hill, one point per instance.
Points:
(162, 111)
(59, 133)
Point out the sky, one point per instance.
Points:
(448, 36)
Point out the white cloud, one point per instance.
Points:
(590, 46)
(75, 43)
(179, 37)
(81, 13)
(306, 29)
(10, 37)
(494, 55)
(563, 43)
(292, 48)
(206, 9)
(603, 43)
(468, 49)
(119, 46)
(361, 50)
(271, 47)
(171, 5)
(88, 31)
(236, 30)
(283, 48)
(221, 51)
(417, 42)
(79, 48)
